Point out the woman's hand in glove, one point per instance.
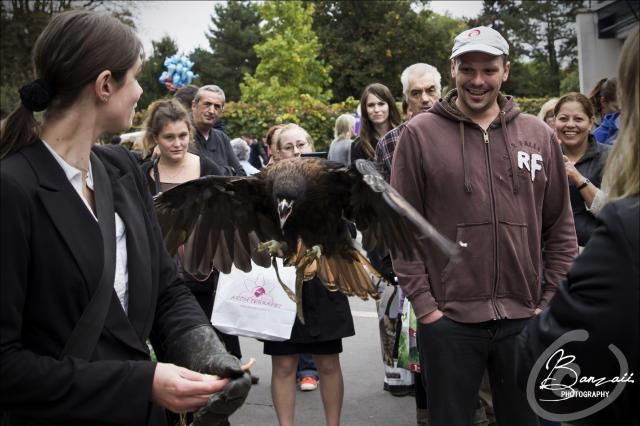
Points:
(222, 404)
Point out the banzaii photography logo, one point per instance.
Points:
(561, 386)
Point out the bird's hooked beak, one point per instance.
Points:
(285, 207)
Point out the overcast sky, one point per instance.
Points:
(187, 21)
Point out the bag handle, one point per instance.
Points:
(88, 329)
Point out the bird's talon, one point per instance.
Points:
(314, 253)
(274, 248)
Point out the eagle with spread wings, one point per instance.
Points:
(299, 210)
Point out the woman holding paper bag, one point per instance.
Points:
(327, 320)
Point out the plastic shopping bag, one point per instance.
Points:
(254, 304)
(408, 356)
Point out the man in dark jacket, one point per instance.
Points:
(214, 144)
(492, 179)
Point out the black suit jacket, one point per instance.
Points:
(50, 263)
(602, 296)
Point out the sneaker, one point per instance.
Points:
(308, 384)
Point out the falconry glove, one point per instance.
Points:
(222, 404)
(201, 350)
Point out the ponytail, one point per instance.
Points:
(19, 129)
(72, 50)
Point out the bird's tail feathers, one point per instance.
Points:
(349, 272)
(352, 274)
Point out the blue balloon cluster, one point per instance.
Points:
(178, 72)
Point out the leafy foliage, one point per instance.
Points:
(289, 67)
(528, 79)
(22, 22)
(530, 105)
(570, 81)
(316, 118)
(373, 41)
(233, 33)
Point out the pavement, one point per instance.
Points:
(365, 402)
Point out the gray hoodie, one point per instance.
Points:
(502, 195)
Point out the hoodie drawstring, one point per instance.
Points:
(512, 160)
(465, 166)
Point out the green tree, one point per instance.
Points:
(434, 41)
(289, 66)
(528, 79)
(543, 31)
(233, 32)
(152, 69)
(367, 42)
(22, 21)
(570, 80)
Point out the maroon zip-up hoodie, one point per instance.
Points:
(502, 195)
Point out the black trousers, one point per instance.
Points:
(454, 357)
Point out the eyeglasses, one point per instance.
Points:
(299, 145)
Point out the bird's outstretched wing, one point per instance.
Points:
(220, 220)
(386, 218)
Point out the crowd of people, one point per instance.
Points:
(88, 289)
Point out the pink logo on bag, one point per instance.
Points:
(257, 291)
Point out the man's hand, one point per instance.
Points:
(431, 317)
(180, 390)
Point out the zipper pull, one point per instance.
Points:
(486, 136)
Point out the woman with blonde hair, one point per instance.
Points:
(321, 335)
(340, 148)
(622, 174)
(270, 140)
(296, 142)
(546, 112)
(601, 293)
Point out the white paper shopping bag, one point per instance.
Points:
(254, 304)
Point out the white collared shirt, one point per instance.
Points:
(121, 280)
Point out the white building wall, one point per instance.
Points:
(597, 58)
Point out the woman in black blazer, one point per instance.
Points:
(601, 296)
(77, 223)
